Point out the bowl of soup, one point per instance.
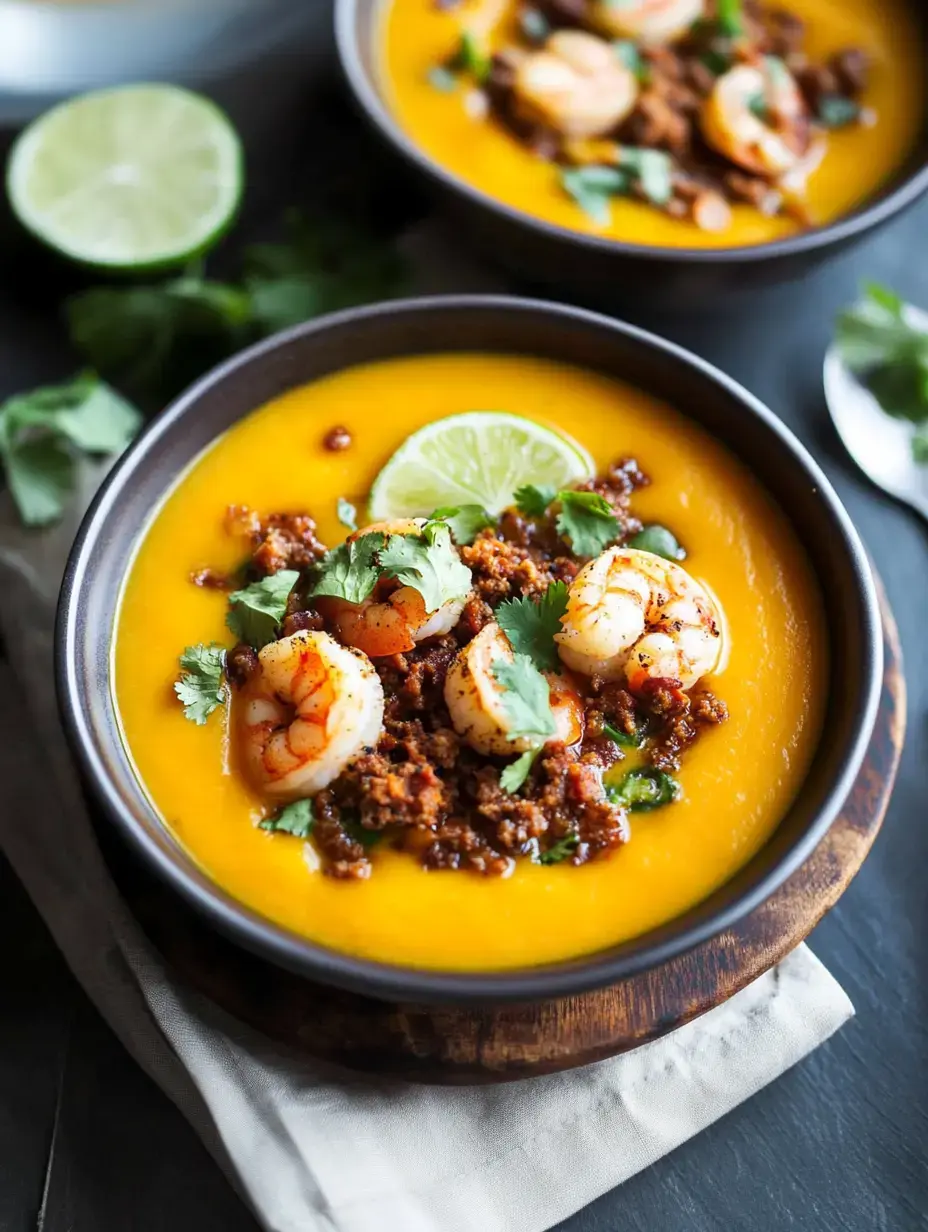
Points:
(650, 148)
(443, 702)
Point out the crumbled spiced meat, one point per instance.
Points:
(680, 724)
(501, 569)
(241, 663)
(342, 857)
(655, 123)
(212, 579)
(851, 68)
(817, 81)
(337, 439)
(301, 621)
(416, 679)
(784, 32)
(477, 614)
(288, 541)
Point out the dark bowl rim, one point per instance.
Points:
(861, 219)
(287, 949)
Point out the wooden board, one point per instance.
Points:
(452, 1045)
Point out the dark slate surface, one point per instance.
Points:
(88, 1144)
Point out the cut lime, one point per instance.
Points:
(138, 177)
(480, 458)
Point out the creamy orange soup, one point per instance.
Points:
(737, 781)
(418, 35)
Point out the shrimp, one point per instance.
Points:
(475, 698)
(389, 622)
(634, 614)
(576, 85)
(756, 116)
(650, 21)
(311, 708)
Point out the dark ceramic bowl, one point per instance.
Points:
(604, 271)
(111, 530)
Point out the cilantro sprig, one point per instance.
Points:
(200, 685)
(642, 790)
(533, 499)
(585, 518)
(428, 563)
(465, 521)
(530, 625)
(296, 818)
(350, 571)
(880, 342)
(256, 612)
(561, 850)
(43, 433)
(526, 699)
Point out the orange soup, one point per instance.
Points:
(447, 118)
(737, 781)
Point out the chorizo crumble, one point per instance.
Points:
(421, 788)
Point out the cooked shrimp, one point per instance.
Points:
(475, 698)
(309, 711)
(631, 613)
(650, 21)
(756, 116)
(576, 85)
(389, 623)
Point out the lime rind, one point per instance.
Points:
(133, 178)
(477, 457)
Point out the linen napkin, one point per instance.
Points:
(313, 1148)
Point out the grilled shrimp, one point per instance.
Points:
(650, 21)
(389, 623)
(309, 711)
(634, 614)
(756, 116)
(576, 85)
(475, 698)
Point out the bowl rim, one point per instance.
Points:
(862, 218)
(270, 940)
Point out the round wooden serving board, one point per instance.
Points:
(463, 1045)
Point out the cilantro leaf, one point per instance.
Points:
(296, 818)
(531, 625)
(593, 188)
(533, 499)
(642, 790)
(43, 431)
(730, 18)
(442, 79)
(514, 775)
(350, 571)
(347, 514)
(466, 521)
(660, 541)
(428, 563)
(652, 169)
(471, 58)
(626, 740)
(588, 521)
(255, 612)
(627, 53)
(560, 850)
(526, 699)
(200, 686)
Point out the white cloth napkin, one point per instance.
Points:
(313, 1148)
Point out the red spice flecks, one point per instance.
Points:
(337, 439)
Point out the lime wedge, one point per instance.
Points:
(135, 178)
(480, 458)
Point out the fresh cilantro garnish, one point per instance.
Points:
(471, 58)
(627, 740)
(526, 699)
(836, 111)
(255, 612)
(560, 850)
(515, 774)
(360, 834)
(43, 432)
(730, 18)
(660, 541)
(531, 624)
(349, 571)
(200, 686)
(715, 62)
(588, 521)
(533, 499)
(534, 25)
(653, 170)
(642, 790)
(347, 514)
(428, 563)
(466, 521)
(882, 345)
(296, 818)
(593, 188)
(628, 54)
(442, 79)
(757, 105)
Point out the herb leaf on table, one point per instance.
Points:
(43, 432)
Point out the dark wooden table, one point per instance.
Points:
(88, 1144)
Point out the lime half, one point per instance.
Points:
(138, 177)
(480, 458)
